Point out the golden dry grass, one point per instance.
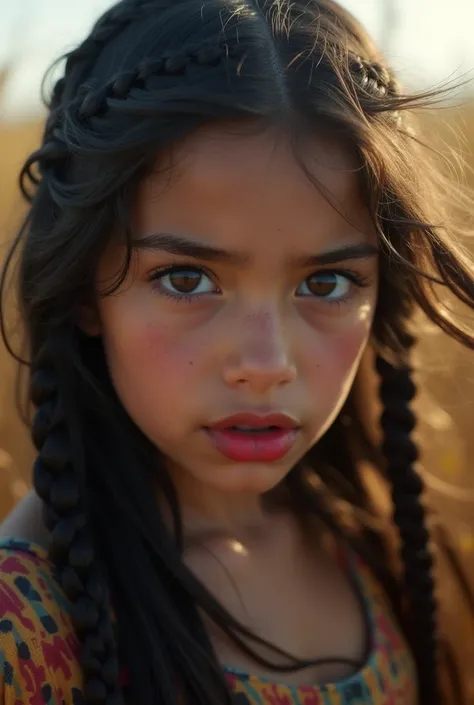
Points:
(15, 448)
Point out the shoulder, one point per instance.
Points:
(38, 649)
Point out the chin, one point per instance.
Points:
(246, 478)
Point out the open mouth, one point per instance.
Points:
(245, 443)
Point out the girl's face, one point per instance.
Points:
(249, 294)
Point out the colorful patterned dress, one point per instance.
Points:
(39, 662)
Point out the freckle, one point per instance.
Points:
(191, 362)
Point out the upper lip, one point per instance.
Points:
(256, 421)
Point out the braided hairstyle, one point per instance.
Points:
(150, 73)
(397, 390)
(80, 61)
(60, 485)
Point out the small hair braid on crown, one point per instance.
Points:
(58, 484)
(92, 101)
(95, 100)
(108, 26)
(79, 61)
(376, 86)
(397, 391)
(372, 77)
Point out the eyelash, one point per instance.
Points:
(161, 272)
(355, 278)
(359, 280)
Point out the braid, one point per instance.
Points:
(376, 86)
(95, 101)
(78, 64)
(58, 483)
(108, 26)
(92, 101)
(397, 390)
(372, 77)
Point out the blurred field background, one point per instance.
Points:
(446, 403)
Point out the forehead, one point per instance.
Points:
(233, 181)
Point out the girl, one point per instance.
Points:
(229, 211)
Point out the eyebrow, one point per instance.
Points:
(179, 245)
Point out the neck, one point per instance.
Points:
(207, 511)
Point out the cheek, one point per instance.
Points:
(153, 370)
(150, 350)
(172, 355)
(347, 348)
(335, 360)
(158, 346)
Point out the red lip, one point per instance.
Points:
(272, 443)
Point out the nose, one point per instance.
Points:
(260, 359)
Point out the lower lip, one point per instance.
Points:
(253, 447)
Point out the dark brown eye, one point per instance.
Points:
(183, 281)
(322, 285)
(325, 285)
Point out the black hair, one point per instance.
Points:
(397, 390)
(150, 73)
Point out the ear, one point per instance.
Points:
(89, 322)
